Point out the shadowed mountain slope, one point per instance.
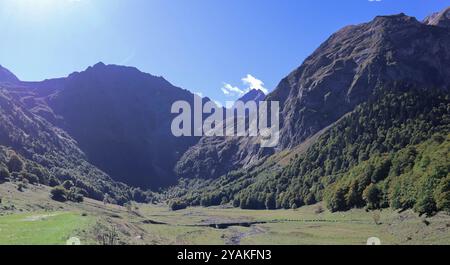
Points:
(120, 118)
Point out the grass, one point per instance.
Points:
(316, 233)
(36, 219)
(184, 235)
(302, 226)
(43, 228)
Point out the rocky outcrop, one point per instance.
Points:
(7, 77)
(344, 70)
(439, 19)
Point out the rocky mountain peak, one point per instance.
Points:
(339, 75)
(7, 76)
(254, 94)
(439, 19)
(100, 67)
(398, 20)
(119, 77)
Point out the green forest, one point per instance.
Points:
(391, 151)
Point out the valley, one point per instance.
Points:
(31, 217)
(363, 125)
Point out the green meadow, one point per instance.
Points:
(49, 228)
(46, 222)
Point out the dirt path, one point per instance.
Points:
(39, 217)
(237, 236)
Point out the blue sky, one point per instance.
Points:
(206, 46)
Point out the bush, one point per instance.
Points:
(38, 171)
(106, 199)
(372, 196)
(442, 195)
(22, 185)
(439, 138)
(425, 205)
(53, 182)
(75, 195)
(4, 174)
(68, 184)
(15, 164)
(139, 196)
(224, 200)
(176, 205)
(59, 193)
(270, 202)
(32, 179)
(336, 200)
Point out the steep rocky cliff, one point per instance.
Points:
(339, 75)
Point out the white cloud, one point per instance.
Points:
(230, 90)
(254, 83)
(226, 92)
(233, 88)
(249, 81)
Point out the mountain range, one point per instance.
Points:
(350, 114)
(341, 74)
(367, 93)
(119, 117)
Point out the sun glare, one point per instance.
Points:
(38, 9)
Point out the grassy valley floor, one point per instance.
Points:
(31, 217)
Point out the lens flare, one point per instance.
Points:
(37, 9)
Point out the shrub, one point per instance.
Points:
(53, 182)
(438, 138)
(106, 199)
(425, 205)
(294, 206)
(75, 195)
(336, 200)
(176, 205)
(68, 184)
(32, 179)
(38, 171)
(270, 202)
(22, 185)
(224, 200)
(15, 164)
(138, 195)
(4, 174)
(311, 199)
(442, 195)
(372, 196)
(59, 193)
